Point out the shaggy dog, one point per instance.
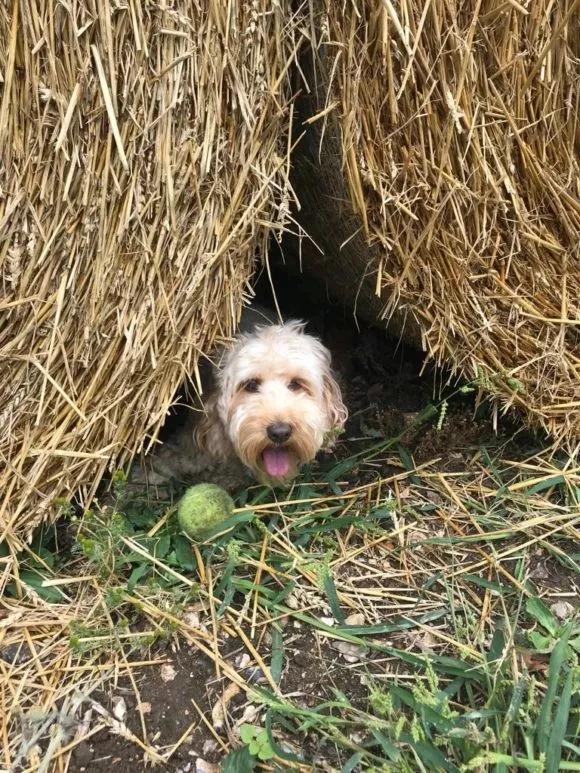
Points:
(272, 405)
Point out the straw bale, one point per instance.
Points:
(144, 163)
(440, 179)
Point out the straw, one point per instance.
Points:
(458, 124)
(143, 164)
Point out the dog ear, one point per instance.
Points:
(336, 411)
(210, 435)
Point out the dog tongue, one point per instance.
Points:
(276, 461)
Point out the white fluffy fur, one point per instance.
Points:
(276, 356)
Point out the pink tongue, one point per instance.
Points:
(276, 461)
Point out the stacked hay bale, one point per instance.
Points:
(143, 166)
(440, 179)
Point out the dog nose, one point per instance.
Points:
(279, 432)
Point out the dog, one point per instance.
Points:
(273, 403)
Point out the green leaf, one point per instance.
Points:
(183, 552)
(248, 733)
(47, 556)
(540, 612)
(276, 748)
(137, 574)
(497, 646)
(161, 548)
(408, 464)
(51, 593)
(541, 643)
(265, 753)
(238, 761)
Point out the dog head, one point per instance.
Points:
(276, 403)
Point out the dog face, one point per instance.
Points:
(276, 402)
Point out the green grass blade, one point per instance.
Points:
(230, 523)
(554, 748)
(351, 763)
(277, 659)
(481, 582)
(279, 752)
(428, 714)
(572, 747)
(430, 756)
(408, 464)
(332, 597)
(389, 749)
(400, 625)
(545, 717)
(554, 480)
(515, 763)
(514, 706)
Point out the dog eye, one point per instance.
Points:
(251, 386)
(295, 385)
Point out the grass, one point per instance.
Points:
(410, 589)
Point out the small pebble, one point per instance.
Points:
(168, 673)
(563, 610)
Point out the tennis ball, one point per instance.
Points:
(202, 508)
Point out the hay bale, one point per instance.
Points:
(143, 165)
(441, 171)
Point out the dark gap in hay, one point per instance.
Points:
(434, 182)
(385, 381)
(307, 277)
(355, 344)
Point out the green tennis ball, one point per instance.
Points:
(202, 508)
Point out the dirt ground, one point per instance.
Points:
(385, 388)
